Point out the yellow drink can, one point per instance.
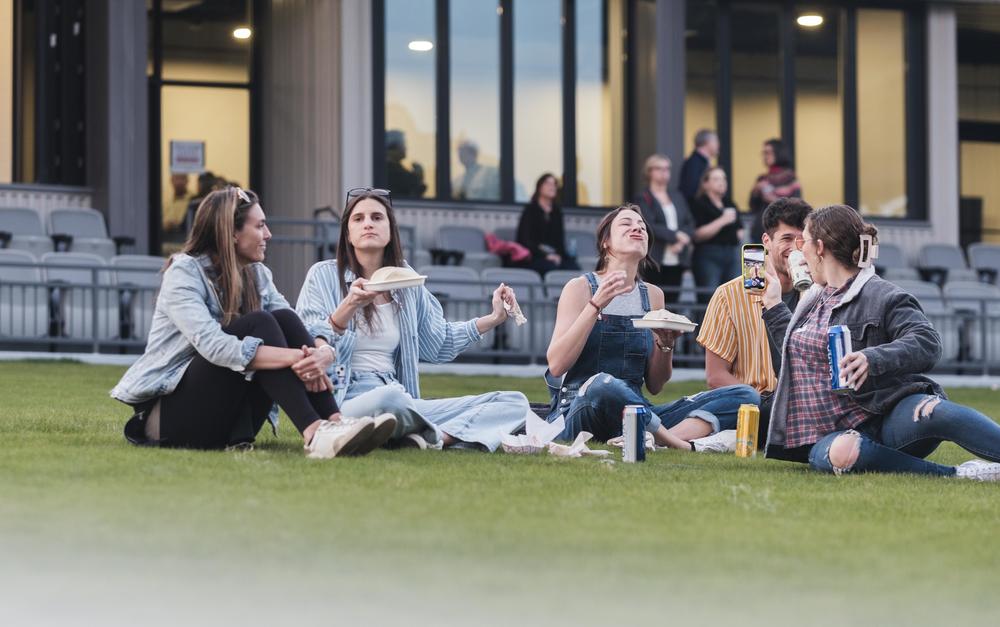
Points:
(747, 423)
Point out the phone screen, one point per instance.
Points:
(753, 267)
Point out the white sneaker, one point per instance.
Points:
(978, 470)
(385, 424)
(721, 442)
(413, 440)
(334, 439)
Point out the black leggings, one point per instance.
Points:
(215, 407)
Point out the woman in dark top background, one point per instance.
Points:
(671, 227)
(718, 233)
(541, 228)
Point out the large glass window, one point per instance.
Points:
(701, 72)
(6, 91)
(538, 131)
(756, 114)
(881, 84)
(819, 127)
(207, 41)
(600, 141)
(410, 103)
(475, 100)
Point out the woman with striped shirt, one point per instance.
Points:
(379, 337)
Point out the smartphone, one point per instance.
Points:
(754, 278)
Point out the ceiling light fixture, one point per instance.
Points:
(420, 45)
(242, 33)
(810, 20)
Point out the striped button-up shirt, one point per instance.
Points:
(424, 334)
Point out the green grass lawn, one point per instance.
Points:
(93, 528)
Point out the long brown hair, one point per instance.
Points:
(604, 232)
(220, 215)
(840, 228)
(392, 255)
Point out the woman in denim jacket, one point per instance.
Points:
(892, 416)
(604, 360)
(380, 337)
(224, 346)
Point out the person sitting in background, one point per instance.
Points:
(671, 227)
(889, 416)
(380, 336)
(478, 182)
(718, 233)
(225, 346)
(706, 148)
(778, 182)
(541, 229)
(733, 333)
(604, 360)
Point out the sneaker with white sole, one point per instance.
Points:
(385, 424)
(978, 470)
(337, 439)
(721, 442)
(412, 440)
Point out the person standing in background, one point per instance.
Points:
(706, 149)
(717, 254)
(669, 220)
(778, 182)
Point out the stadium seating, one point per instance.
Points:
(470, 241)
(74, 292)
(25, 231)
(137, 278)
(985, 259)
(84, 231)
(24, 310)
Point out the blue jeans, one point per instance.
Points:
(598, 406)
(911, 432)
(479, 419)
(714, 264)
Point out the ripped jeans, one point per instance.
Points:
(909, 433)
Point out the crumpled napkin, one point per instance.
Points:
(619, 442)
(539, 436)
(514, 310)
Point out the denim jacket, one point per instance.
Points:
(187, 321)
(424, 334)
(887, 325)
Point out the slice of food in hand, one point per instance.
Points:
(392, 273)
(667, 316)
(663, 319)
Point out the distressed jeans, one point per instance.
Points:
(912, 431)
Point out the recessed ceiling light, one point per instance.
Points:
(420, 45)
(242, 33)
(810, 20)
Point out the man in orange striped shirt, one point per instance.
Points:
(733, 333)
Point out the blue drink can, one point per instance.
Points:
(634, 419)
(839, 345)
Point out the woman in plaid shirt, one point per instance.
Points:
(893, 416)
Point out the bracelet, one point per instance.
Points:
(591, 302)
(336, 327)
(663, 347)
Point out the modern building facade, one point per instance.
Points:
(459, 105)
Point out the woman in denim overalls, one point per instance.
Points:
(606, 360)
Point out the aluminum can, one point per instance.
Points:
(747, 423)
(634, 419)
(799, 271)
(840, 345)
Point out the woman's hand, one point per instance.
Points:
(358, 296)
(683, 238)
(613, 285)
(498, 316)
(772, 287)
(854, 369)
(312, 367)
(666, 337)
(729, 216)
(554, 258)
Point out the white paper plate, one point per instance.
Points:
(685, 327)
(398, 284)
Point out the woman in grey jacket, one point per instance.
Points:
(380, 337)
(225, 346)
(891, 416)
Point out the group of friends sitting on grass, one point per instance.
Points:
(226, 349)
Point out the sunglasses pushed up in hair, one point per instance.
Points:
(244, 198)
(368, 191)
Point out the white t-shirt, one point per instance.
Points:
(670, 215)
(375, 348)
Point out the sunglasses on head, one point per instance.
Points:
(372, 191)
(244, 198)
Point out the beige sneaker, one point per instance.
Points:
(333, 439)
(978, 470)
(385, 424)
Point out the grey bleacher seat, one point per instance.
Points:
(936, 261)
(985, 259)
(555, 280)
(981, 302)
(24, 309)
(530, 292)
(526, 283)
(470, 241)
(86, 227)
(26, 231)
(941, 315)
(584, 243)
(457, 288)
(506, 233)
(75, 291)
(420, 259)
(890, 256)
(407, 240)
(587, 264)
(962, 274)
(895, 274)
(138, 279)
